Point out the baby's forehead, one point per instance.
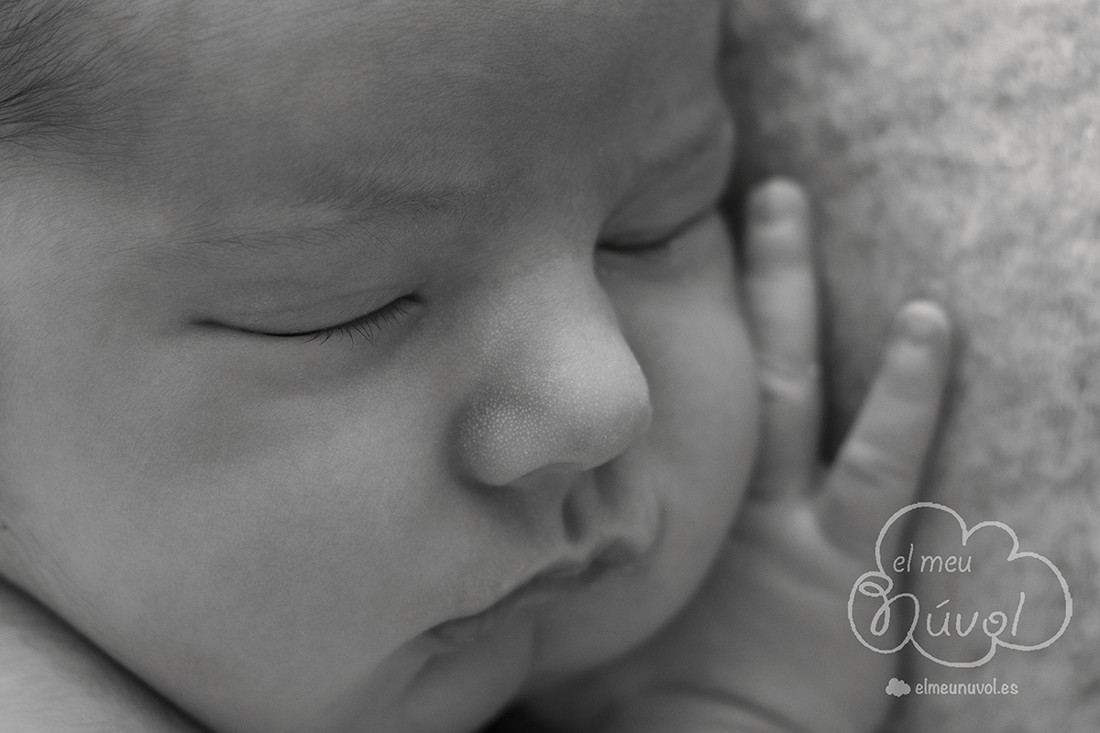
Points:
(248, 113)
(68, 70)
(421, 47)
(71, 67)
(339, 155)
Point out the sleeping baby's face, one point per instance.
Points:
(393, 367)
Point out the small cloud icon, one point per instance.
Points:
(898, 688)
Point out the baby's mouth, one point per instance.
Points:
(558, 580)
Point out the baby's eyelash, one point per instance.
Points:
(367, 327)
(657, 244)
(636, 248)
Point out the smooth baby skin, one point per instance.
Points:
(761, 644)
(953, 147)
(267, 527)
(772, 601)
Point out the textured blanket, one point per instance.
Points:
(953, 150)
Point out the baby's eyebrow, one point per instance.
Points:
(355, 215)
(373, 196)
(244, 246)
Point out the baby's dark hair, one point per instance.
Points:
(67, 70)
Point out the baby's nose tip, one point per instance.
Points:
(578, 412)
(510, 439)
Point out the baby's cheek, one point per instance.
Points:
(705, 394)
(248, 535)
(695, 350)
(697, 456)
(181, 477)
(713, 424)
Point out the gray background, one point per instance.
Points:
(953, 150)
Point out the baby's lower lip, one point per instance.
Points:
(542, 588)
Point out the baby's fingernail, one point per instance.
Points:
(921, 322)
(775, 200)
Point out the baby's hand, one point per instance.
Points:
(766, 645)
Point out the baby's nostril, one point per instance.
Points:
(619, 553)
(617, 523)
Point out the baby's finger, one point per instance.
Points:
(781, 300)
(880, 465)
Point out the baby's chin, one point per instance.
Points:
(475, 671)
(461, 688)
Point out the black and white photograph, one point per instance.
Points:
(549, 366)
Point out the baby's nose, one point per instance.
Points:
(566, 391)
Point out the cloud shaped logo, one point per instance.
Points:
(898, 688)
(1032, 614)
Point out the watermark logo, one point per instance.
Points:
(898, 688)
(901, 688)
(1028, 609)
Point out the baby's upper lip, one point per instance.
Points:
(616, 554)
(566, 573)
(559, 577)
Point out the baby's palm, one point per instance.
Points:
(766, 643)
